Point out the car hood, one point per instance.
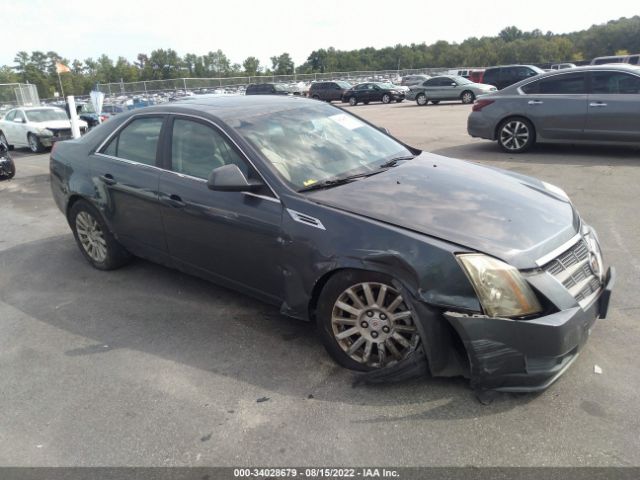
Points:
(509, 216)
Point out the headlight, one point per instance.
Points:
(500, 288)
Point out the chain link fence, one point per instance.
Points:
(152, 86)
(18, 95)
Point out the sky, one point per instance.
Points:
(82, 29)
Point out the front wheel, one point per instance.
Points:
(386, 98)
(421, 99)
(467, 97)
(516, 135)
(35, 144)
(364, 322)
(96, 242)
(353, 101)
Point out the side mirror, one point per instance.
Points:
(384, 130)
(454, 84)
(229, 178)
(18, 120)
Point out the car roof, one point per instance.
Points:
(233, 107)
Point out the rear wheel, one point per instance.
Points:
(516, 135)
(96, 242)
(35, 144)
(421, 99)
(467, 97)
(353, 101)
(364, 321)
(386, 98)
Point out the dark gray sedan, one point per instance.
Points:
(447, 87)
(595, 104)
(399, 255)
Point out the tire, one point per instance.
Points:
(9, 173)
(35, 145)
(435, 102)
(3, 139)
(386, 98)
(316, 97)
(467, 97)
(516, 135)
(421, 100)
(373, 329)
(95, 240)
(353, 101)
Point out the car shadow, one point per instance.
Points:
(162, 312)
(549, 154)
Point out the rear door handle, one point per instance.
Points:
(535, 102)
(597, 104)
(174, 201)
(108, 179)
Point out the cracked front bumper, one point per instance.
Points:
(527, 355)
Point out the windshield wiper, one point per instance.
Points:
(394, 161)
(334, 182)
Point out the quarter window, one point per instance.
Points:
(196, 149)
(10, 116)
(614, 83)
(138, 141)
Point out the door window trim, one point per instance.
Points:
(163, 135)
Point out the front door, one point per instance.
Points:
(232, 237)
(614, 107)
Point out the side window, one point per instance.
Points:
(19, 114)
(196, 149)
(533, 87)
(433, 82)
(10, 116)
(524, 72)
(563, 84)
(634, 59)
(138, 141)
(363, 86)
(614, 83)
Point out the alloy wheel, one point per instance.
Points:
(373, 325)
(467, 97)
(353, 101)
(386, 98)
(514, 135)
(91, 237)
(33, 144)
(422, 99)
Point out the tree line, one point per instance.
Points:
(511, 45)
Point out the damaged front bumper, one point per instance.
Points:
(527, 355)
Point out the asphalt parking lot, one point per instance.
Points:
(147, 366)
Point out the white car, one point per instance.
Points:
(36, 127)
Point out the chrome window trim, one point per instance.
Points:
(153, 114)
(557, 251)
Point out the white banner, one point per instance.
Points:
(97, 98)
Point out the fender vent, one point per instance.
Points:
(306, 219)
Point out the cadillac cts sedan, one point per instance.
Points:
(398, 255)
(595, 104)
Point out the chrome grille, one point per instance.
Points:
(573, 270)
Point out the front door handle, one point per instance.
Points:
(108, 179)
(597, 104)
(535, 102)
(174, 201)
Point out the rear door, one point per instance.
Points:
(614, 107)
(232, 237)
(125, 174)
(433, 88)
(557, 105)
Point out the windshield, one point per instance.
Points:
(46, 115)
(387, 85)
(461, 80)
(314, 143)
(281, 88)
(87, 108)
(342, 84)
